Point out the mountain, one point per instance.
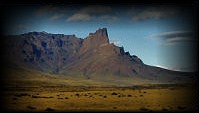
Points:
(98, 57)
(93, 57)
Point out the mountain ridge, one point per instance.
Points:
(93, 57)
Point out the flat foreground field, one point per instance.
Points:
(145, 98)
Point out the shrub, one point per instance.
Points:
(30, 107)
(129, 95)
(77, 94)
(49, 109)
(114, 93)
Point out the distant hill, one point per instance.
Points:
(93, 57)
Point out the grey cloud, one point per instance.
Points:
(49, 9)
(80, 17)
(96, 9)
(92, 12)
(56, 16)
(52, 12)
(174, 34)
(152, 13)
(109, 17)
(174, 37)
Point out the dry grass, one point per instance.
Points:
(27, 90)
(101, 99)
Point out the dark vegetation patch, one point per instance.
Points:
(59, 98)
(141, 95)
(170, 107)
(34, 96)
(105, 96)
(14, 98)
(66, 98)
(129, 95)
(114, 107)
(49, 109)
(114, 93)
(77, 94)
(14, 103)
(122, 95)
(181, 107)
(144, 109)
(171, 88)
(21, 94)
(164, 109)
(31, 107)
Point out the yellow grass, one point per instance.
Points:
(102, 99)
(27, 90)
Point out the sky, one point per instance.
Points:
(163, 36)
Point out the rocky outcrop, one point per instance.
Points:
(95, 40)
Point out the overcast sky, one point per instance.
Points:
(161, 36)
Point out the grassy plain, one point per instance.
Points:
(178, 98)
(34, 91)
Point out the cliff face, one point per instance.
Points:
(43, 51)
(91, 57)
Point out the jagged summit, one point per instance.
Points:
(100, 32)
(100, 35)
(95, 40)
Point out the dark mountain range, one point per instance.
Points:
(93, 57)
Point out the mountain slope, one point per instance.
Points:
(91, 58)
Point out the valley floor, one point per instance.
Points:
(71, 98)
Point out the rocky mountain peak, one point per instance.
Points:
(95, 40)
(100, 35)
(102, 32)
